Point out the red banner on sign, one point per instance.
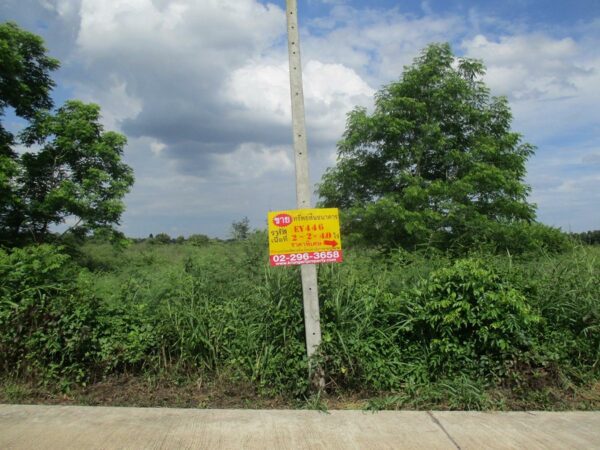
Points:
(292, 259)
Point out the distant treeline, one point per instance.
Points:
(164, 238)
(588, 237)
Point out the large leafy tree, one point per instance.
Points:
(25, 82)
(25, 86)
(435, 163)
(76, 170)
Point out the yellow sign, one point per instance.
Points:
(304, 236)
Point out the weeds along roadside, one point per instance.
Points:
(410, 329)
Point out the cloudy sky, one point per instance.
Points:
(200, 88)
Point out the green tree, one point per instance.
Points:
(25, 86)
(240, 229)
(588, 237)
(25, 82)
(198, 240)
(162, 238)
(77, 173)
(436, 163)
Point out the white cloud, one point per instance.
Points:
(261, 89)
(531, 66)
(569, 201)
(552, 83)
(63, 8)
(247, 182)
(591, 158)
(330, 90)
(173, 57)
(201, 89)
(157, 147)
(117, 103)
(222, 28)
(377, 44)
(216, 102)
(251, 161)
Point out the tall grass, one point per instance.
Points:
(425, 327)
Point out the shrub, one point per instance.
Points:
(468, 319)
(161, 238)
(47, 322)
(198, 240)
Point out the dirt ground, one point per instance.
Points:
(148, 392)
(215, 394)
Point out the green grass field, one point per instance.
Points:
(214, 325)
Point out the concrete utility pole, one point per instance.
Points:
(310, 291)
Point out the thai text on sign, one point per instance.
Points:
(304, 236)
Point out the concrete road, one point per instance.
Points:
(74, 427)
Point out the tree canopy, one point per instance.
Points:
(240, 229)
(75, 171)
(435, 163)
(25, 86)
(25, 81)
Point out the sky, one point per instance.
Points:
(201, 90)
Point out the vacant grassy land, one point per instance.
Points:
(213, 325)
